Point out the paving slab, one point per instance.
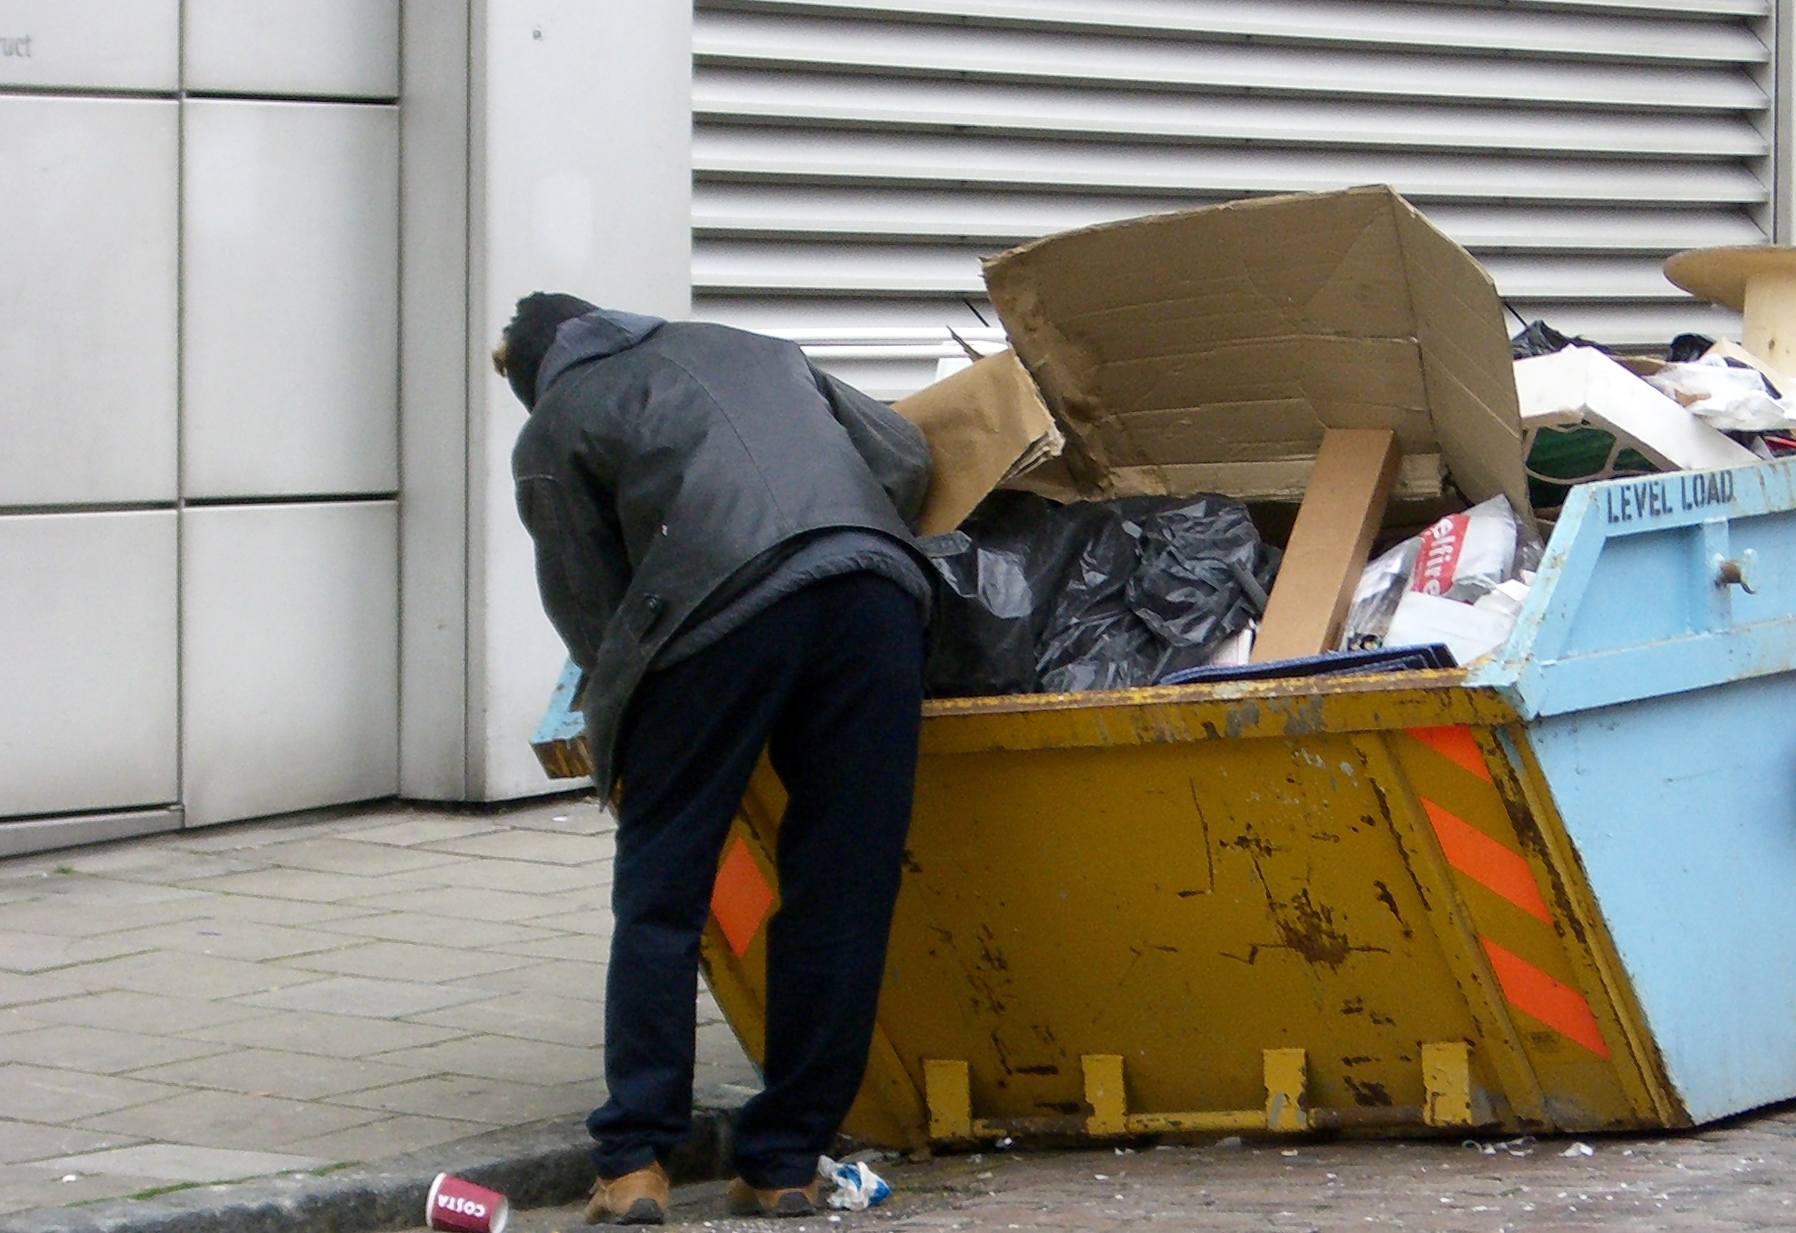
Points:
(508, 1058)
(162, 971)
(204, 1118)
(353, 856)
(293, 1076)
(532, 877)
(387, 1137)
(322, 1036)
(477, 902)
(25, 952)
(413, 960)
(565, 977)
(310, 886)
(362, 996)
(409, 832)
(548, 847)
(461, 932)
(24, 1141)
(65, 1097)
(151, 1013)
(229, 937)
(100, 1050)
(530, 1016)
(581, 947)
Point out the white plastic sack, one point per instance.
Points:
(1469, 632)
(1727, 397)
(1465, 555)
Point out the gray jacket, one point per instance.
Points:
(661, 458)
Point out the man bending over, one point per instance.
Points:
(724, 541)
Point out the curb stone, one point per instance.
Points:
(542, 1164)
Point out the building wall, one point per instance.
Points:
(547, 148)
(198, 478)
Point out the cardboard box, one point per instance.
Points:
(1210, 350)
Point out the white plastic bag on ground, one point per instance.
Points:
(856, 1186)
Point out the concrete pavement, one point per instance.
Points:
(298, 996)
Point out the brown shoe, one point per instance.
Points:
(745, 1200)
(634, 1198)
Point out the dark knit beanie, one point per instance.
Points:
(530, 335)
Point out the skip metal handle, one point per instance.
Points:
(1737, 571)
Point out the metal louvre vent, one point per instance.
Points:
(853, 159)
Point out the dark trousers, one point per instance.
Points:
(829, 680)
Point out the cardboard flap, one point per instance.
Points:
(1225, 341)
(984, 424)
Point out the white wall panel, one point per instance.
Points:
(572, 200)
(87, 670)
(289, 657)
(436, 359)
(87, 299)
(290, 303)
(854, 159)
(90, 44)
(293, 47)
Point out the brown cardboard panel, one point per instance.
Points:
(1309, 273)
(1342, 509)
(982, 423)
(1264, 398)
(1347, 307)
(1284, 480)
(1180, 444)
(1466, 358)
(1331, 367)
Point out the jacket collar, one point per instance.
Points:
(593, 336)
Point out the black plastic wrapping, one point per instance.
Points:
(1091, 595)
(1539, 338)
(1688, 348)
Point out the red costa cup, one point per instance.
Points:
(458, 1204)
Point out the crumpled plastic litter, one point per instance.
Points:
(1727, 396)
(1460, 582)
(856, 1186)
(1462, 556)
(1539, 338)
(1376, 596)
(1091, 595)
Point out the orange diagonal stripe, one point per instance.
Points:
(1487, 862)
(740, 897)
(1533, 992)
(1455, 743)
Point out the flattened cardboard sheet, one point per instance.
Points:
(1215, 347)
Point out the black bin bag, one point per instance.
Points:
(1036, 596)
